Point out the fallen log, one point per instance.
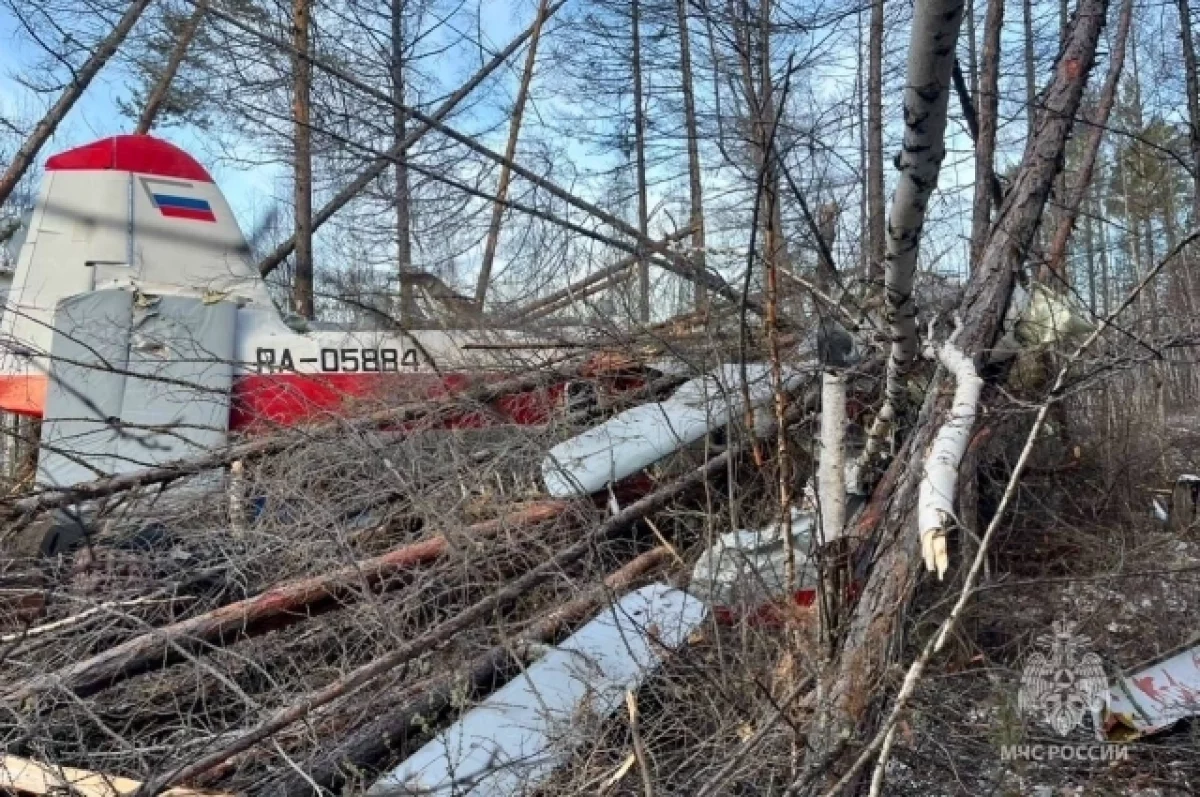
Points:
(26, 776)
(284, 603)
(852, 687)
(369, 746)
(935, 497)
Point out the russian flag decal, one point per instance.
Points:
(173, 201)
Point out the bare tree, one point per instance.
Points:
(987, 109)
(1030, 62)
(510, 152)
(1054, 270)
(639, 134)
(692, 130)
(1193, 100)
(408, 306)
(162, 87)
(80, 79)
(926, 96)
(875, 198)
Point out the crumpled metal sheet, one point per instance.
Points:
(1154, 698)
(1040, 318)
(745, 569)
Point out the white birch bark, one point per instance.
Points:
(935, 30)
(831, 467)
(935, 497)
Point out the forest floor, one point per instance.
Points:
(1083, 546)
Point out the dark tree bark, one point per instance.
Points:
(80, 80)
(404, 264)
(302, 280)
(1030, 64)
(1193, 95)
(695, 188)
(987, 109)
(639, 134)
(875, 198)
(972, 55)
(1054, 272)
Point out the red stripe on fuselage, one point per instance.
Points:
(265, 400)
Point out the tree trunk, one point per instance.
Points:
(987, 110)
(936, 25)
(695, 188)
(827, 220)
(159, 93)
(639, 133)
(875, 199)
(1193, 96)
(1030, 64)
(972, 54)
(1089, 237)
(381, 164)
(889, 518)
(510, 152)
(408, 305)
(302, 282)
(80, 80)
(1055, 272)
(1105, 269)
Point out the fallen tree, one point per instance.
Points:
(283, 604)
(935, 497)
(868, 645)
(439, 635)
(370, 744)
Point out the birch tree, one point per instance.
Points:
(926, 97)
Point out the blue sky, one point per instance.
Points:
(96, 114)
